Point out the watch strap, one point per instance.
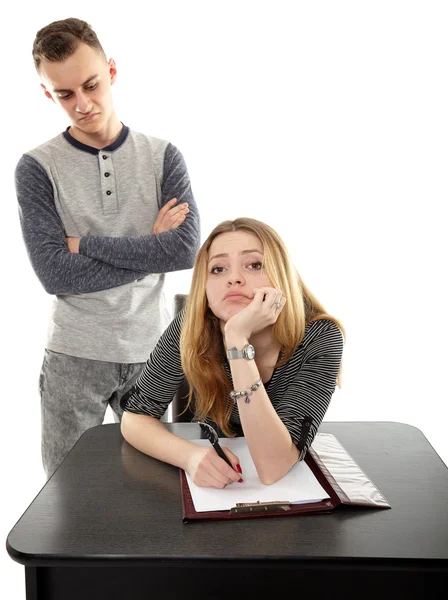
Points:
(247, 352)
(235, 353)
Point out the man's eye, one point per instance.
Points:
(65, 97)
(92, 87)
(217, 270)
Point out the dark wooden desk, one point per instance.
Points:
(108, 524)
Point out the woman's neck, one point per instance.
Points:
(265, 343)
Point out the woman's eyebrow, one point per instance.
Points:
(223, 255)
(252, 250)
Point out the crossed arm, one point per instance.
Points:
(170, 217)
(97, 263)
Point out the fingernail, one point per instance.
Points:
(240, 480)
(238, 468)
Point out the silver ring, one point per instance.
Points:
(277, 304)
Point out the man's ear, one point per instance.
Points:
(112, 70)
(47, 93)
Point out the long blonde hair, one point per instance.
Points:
(201, 344)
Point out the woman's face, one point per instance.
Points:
(235, 268)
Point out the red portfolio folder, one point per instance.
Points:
(335, 470)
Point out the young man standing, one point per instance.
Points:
(105, 212)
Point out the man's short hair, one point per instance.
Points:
(60, 39)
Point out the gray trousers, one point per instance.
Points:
(75, 393)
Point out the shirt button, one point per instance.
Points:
(106, 174)
(108, 192)
(104, 156)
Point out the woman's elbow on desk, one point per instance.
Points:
(268, 478)
(135, 429)
(268, 475)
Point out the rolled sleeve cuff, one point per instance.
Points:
(302, 432)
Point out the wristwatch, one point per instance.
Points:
(247, 352)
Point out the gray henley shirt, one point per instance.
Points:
(109, 301)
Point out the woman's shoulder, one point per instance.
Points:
(178, 320)
(322, 330)
(173, 331)
(321, 325)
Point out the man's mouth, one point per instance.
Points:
(89, 117)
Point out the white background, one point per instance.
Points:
(326, 119)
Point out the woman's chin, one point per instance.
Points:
(231, 311)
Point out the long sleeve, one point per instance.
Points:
(161, 377)
(59, 271)
(162, 252)
(308, 395)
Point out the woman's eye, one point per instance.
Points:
(217, 270)
(257, 265)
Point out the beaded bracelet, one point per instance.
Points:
(246, 393)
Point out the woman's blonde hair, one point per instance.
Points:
(201, 344)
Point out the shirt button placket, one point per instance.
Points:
(108, 184)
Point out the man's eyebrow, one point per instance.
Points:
(243, 252)
(58, 91)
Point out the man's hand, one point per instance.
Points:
(73, 244)
(170, 216)
(207, 469)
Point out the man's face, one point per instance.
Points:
(81, 85)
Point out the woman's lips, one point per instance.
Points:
(236, 297)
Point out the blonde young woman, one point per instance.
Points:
(258, 350)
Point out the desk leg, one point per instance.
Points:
(31, 583)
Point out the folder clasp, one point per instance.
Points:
(273, 506)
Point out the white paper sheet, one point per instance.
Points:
(299, 485)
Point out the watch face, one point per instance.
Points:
(250, 352)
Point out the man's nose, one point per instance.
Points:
(83, 104)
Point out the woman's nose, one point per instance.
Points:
(236, 278)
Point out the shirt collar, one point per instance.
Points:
(85, 148)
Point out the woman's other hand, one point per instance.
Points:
(207, 469)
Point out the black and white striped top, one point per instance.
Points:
(300, 390)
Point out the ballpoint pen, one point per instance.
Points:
(212, 436)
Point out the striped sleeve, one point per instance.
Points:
(161, 377)
(306, 398)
